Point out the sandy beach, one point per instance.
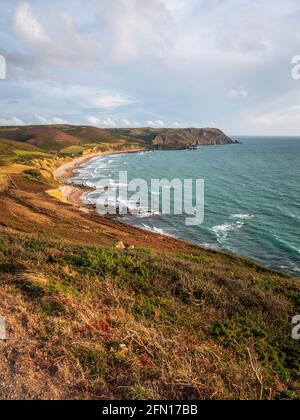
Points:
(75, 194)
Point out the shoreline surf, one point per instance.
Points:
(74, 194)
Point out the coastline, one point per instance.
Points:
(74, 194)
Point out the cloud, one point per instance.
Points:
(50, 120)
(27, 26)
(60, 43)
(130, 123)
(111, 101)
(238, 93)
(289, 116)
(177, 124)
(156, 123)
(98, 122)
(93, 120)
(126, 122)
(136, 60)
(78, 96)
(246, 41)
(11, 121)
(46, 102)
(278, 117)
(135, 28)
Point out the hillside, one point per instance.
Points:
(169, 138)
(160, 319)
(65, 138)
(61, 138)
(13, 151)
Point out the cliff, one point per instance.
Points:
(191, 137)
(73, 140)
(173, 138)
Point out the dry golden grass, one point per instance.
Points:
(55, 193)
(93, 323)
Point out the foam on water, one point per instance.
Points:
(222, 231)
(155, 229)
(243, 216)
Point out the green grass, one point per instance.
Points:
(139, 393)
(187, 301)
(73, 150)
(16, 152)
(28, 153)
(93, 359)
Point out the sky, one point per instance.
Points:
(158, 63)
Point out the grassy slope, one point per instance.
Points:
(61, 138)
(12, 151)
(93, 322)
(163, 320)
(71, 139)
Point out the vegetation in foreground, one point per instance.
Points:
(160, 319)
(94, 322)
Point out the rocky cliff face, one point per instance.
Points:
(174, 138)
(190, 137)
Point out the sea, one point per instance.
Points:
(252, 195)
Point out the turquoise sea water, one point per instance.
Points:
(259, 177)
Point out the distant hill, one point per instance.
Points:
(172, 138)
(57, 138)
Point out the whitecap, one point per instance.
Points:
(147, 213)
(210, 246)
(222, 230)
(154, 229)
(243, 216)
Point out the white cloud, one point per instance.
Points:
(136, 27)
(27, 26)
(93, 120)
(126, 122)
(290, 116)
(160, 123)
(180, 8)
(100, 122)
(246, 41)
(67, 97)
(110, 101)
(129, 123)
(177, 124)
(11, 121)
(238, 93)
(52, 120)
(60, 43)
(109, 122)
(178, 57)
(156, 123)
